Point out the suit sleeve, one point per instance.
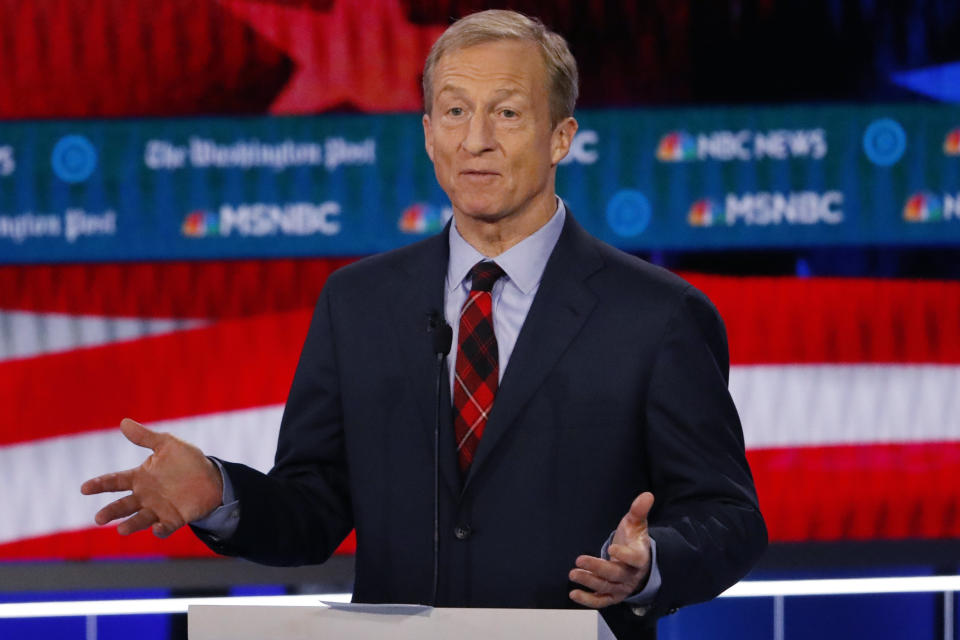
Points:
(300, 511)
(706, 519)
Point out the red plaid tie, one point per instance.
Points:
(477, 368)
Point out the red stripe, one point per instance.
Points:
(222, 367)
(104, 543)
(890, 492)
(167, 289)
(837, 320)
(235, 364)
(769, 320)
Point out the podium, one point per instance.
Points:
(393, 622)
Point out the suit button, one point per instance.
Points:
(462, 532)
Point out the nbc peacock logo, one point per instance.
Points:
(951, 144)
(923, 206)
(677, 146)
(423, 218)
(704, 213)
(199, 224)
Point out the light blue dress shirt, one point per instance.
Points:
(512, 296)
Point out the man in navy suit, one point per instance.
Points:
(601, 385)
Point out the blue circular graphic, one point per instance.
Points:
(628, 213)
(74, 158)
(884, 142)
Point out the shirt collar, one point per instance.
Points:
(523, 263)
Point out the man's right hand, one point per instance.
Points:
(177, 484)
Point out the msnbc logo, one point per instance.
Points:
(923, 207)
(951, 144)
(768, 208)
(676, 146)
(423, 218)
(198, 224)
(704, 213)
(264, 219)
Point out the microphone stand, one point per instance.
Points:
(442, 339)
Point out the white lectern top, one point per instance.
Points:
(334, 621)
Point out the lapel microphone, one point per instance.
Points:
(442, 335)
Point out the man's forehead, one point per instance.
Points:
(495, 56)
(506, 91)
(506, 65)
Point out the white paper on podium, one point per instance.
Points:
(381, 609)
(335, 621)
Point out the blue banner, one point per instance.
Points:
(358, 184)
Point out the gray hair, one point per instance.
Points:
(497, 24)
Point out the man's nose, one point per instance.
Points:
(480, 137)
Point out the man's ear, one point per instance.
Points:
(428, 135)
(561, 139)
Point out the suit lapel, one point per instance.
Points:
(561, 306)
(420, 293)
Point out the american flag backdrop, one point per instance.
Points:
(847, 390)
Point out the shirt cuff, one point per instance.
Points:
(222, 522)
(646, 595)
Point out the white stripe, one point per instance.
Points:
(155, 605)
(746, 589)
(811, 405)
(475, 424)
(25, 334)
(40, 481)
(780, 406)
(482, 416)
(948, 616)
(466, 305)
(842, 586)
(779, 628)
(482, 411)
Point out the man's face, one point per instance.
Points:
(488, 130)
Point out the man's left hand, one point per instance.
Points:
(628, 568)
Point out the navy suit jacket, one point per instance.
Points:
(617, 385)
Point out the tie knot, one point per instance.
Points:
(484, 274)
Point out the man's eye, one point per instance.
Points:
(509, 113)
(456, 111)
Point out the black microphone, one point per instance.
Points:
(442, 335)
(442, 338)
